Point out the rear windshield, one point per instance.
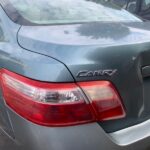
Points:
(66, 11)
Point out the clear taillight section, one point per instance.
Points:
(61, 104)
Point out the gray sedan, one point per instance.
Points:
(74, 75)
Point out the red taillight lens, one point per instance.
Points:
(61, 104)
(104, 99)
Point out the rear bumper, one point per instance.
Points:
(89, 137)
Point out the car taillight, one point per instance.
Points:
(60, 104)
(104, 99)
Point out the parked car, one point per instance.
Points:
(74, 75)
(138, 7)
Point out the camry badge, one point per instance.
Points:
(87, 73)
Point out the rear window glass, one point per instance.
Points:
(66, 11)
